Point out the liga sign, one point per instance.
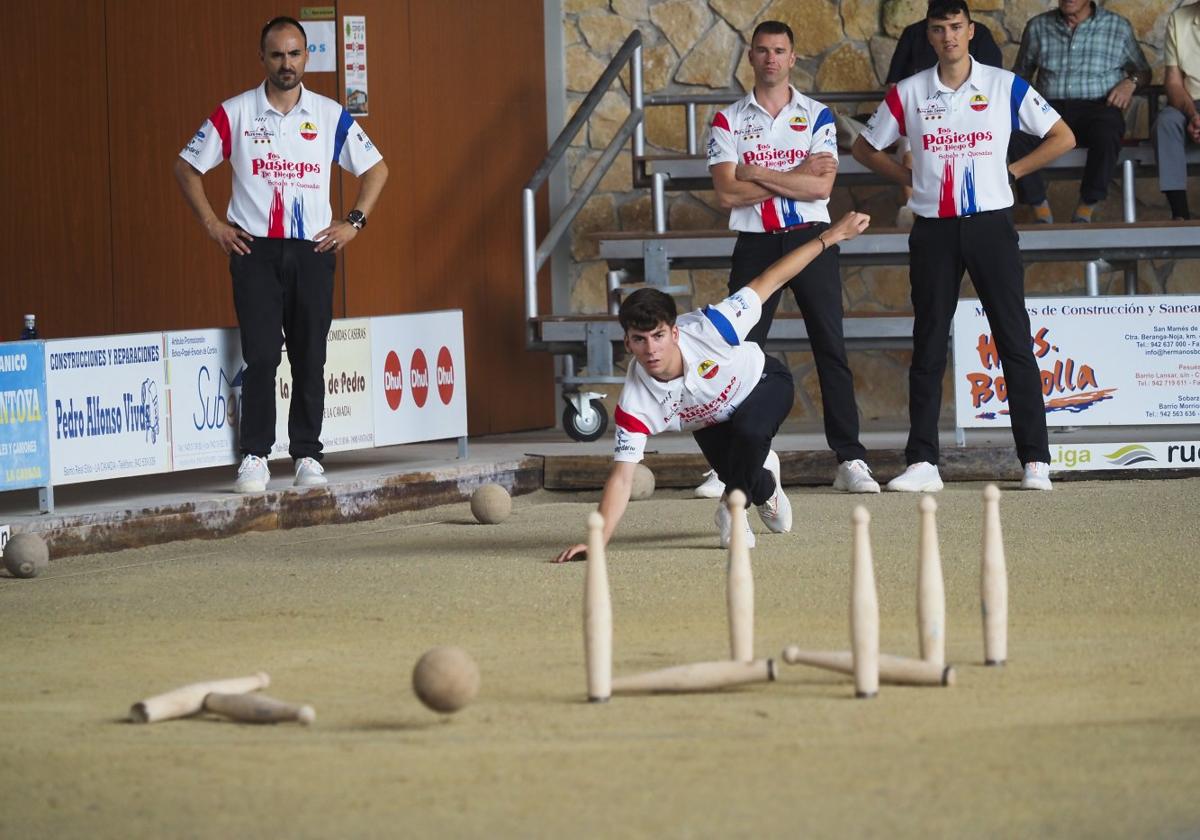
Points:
(1121, 361)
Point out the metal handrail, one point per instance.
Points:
(535, 254)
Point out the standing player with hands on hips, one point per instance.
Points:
(281, 141)
(960, 114)
(699, 373)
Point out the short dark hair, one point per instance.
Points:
(275, 23)
(645, 309)
(943, 9)
(774, 27)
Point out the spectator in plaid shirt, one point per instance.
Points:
(1087, 63)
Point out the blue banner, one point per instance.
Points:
(24, 437)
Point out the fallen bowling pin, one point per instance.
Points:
(257, 708)
(893, 670)
(698, 676)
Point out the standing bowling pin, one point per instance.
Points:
(931, 591)
(864, 610)
(993, 582)
(597, 615)
(739, 592)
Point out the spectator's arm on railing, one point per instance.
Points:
(1058, 141)
(812, 180)
(881, 162)
(734, 193)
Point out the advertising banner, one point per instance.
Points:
(420, 370)
(24, 448)
(1125, 361)
(107, 415)
(349, 422)
(204, 396)
(1157, 455)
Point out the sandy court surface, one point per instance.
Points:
(1093, 728)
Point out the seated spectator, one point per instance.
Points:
(1179, 122)
(914, 54)
(1087, 63)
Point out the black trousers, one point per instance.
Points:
(1099, 127)
(737, 448)
(283, 293)
(818, 293)
(986, 245)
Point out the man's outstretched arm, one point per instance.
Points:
(612, 506)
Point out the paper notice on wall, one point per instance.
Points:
(322, 45)
(354, 57)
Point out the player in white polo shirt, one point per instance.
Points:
(958, 116)
(773, 159)
(282, 142)
(699, 373)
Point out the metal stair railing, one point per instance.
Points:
(535, 254)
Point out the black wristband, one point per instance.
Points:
(822, 241)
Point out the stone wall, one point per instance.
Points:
(699, 46)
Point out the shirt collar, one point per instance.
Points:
(264, 105)
(793, 101)
(1098, 11)
(972, 79)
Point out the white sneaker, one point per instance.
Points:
(712, 488)
(1037, 476)
(310, 473)
(776, 512)
(921, 477)
(725, 525)
(855, 477)
(253, 475)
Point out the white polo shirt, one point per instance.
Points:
(281, 162)
(745, 133)
(959, 137)
(720, 369)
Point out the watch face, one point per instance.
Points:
(356, 218)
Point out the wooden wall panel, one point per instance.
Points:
(167, 273)
(54, 243)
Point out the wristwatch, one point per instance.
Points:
(357, 219)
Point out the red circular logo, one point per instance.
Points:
(445, 375)
(418, 377)
(393, 380)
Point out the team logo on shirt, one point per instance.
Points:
(749, 131)
(707, 369)
(258, 134)
(979, 102)
(308, 131)
(933, 109)
(798, 123)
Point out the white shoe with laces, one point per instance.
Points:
(1037, 476)
(712, 488)
(725, 525)
(921, 477)
(855, 477)
(776, 512)
(253, 475)
(310, 473)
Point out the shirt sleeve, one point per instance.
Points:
(735, 316)
(632, 434)
(721, 147)
(1171, 49)
(824, 136)
(1025, 64)
(352, 149)
(1031, 113)
(886, 125)
(211, 144)
(1135, 59)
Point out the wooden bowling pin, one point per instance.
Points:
(597, 615)
(894, 670)
(993, 582)
(698, 676)
(257, 708)
(864, 610)
(931, 592)
(739, 591)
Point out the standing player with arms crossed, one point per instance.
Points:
(699, 373)
(960, 114)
